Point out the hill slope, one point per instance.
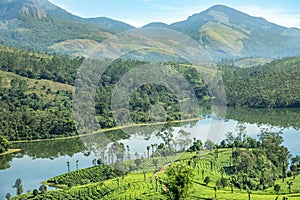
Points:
(38, 24)
(226, 32)
(223, 31)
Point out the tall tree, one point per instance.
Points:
(148, 151)
(19, 187)
(209, 145)
(77, 164)
(8, 196)
(43, 189)
(68, 166)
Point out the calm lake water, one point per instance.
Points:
(41, 160)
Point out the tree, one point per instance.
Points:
(119, 150)
(148, 151)
(209, 145)
(197, 145)
(94, 162)
(8, 196)
(290, 183)
(295, 165)
(155, 163)
(277, 188)
(166, 135)
(138, 162)
(229, 139)
(77, 164)
(215, 189)
(35, 192)
(179, 181)
(100, 161)
(223, 182)
(43, 189)
(249, 193)
(4, 144)
(128, 152)
(183, 139)
(68, 166)
(19, 187)
(206, 180)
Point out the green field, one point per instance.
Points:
(142, 183)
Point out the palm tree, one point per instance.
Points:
(128, 152)
(68, 165)
(152, 148)
(155, 163)
(148, 151)
(110, 155)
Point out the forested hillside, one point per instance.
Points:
(36, 91)
(276, 84)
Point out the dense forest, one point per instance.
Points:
(273, 85)
(30, 110)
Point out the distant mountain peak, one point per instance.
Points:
(157, 25)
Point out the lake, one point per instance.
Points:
(39, 161)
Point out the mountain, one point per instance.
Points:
(156, 24)
(226, 32)
(223, 31)
(110, 23)
(39, 24)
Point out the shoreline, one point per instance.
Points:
(10, 151)
(105, 130)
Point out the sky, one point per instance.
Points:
(141, 12)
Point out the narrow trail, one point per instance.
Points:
(162, 170)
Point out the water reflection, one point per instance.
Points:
(39, 161)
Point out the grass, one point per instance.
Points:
(10, 151)
(250, 62)
(76, 47)
(223, 37)
(39, 87)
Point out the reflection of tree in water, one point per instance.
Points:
(285, 117)
(151, 130)
(51, 149)
(5, 161)
(106, 147)
(96, 143)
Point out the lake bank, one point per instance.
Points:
(106, 130)
(10, 151)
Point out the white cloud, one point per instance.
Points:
(276, 15)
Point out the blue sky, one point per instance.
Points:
(141, 12)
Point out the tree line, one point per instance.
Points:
(26, 115)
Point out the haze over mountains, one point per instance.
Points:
(223, 31)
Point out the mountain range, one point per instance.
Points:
(223, 31)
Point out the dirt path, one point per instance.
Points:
(162, 170)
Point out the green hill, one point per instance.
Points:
(43, 89)
(151, 184)
(275, 84)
